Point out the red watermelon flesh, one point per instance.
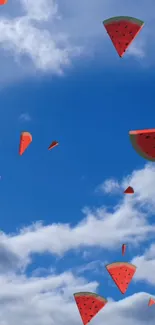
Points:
(123, 249)
(25, 140)
(129, 190)
(122, 31)
(122, 274)
(143, 141)
(89, 304)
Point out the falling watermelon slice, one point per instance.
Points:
(3, 2)
(89, 304)
(151, 302)
(129, 190)
(122, 274)
(53, 144)
(25, 140)
(122, 31)
(143, 141)
(123, 249)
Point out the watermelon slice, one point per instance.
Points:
(53, 144)
(129, 190)
(123, 249)
(3, 2)
(151, 302)
(25, 140)
(122, 274)
(122, 31)
(143, 141)
(89, 304)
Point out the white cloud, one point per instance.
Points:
(110, 185)
(46, 301)
(36, 299)
(141, 180)
(25, 117)
(42, 35)
(30, 39)
(137, 50)
(96, 266)
(127, 222)
(145, 266)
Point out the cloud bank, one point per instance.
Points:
(47, 35)
(30, 298)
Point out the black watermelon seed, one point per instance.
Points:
(148, 137)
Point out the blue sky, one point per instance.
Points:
(63, 212)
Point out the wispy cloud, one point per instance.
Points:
(95, 266)
(127, 222)
(137, 49)
(108, 186)
(25, 117)
(36, 299)
(43, 37)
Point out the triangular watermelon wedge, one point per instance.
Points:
(122, 274)
(25, 140)
(129, 190)
(143, 141)
(151, 302)
(122, 31)
(123, 249)
(53, 144)
(89, 304)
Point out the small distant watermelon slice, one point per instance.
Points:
(25, 140)
(3, 2)
(143, 141)
(122, 274)
(89, 304)
(123, 249)
(122, 31)
(151, 302)
(53, 144)
(129, 190)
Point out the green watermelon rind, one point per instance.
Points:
(90, 294)
(121, 264)
(144, 155)
(123, 18)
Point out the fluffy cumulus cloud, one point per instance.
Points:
(46, 35)
(49, 301)
(128, 221)
(146, 265)
(32, 298)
